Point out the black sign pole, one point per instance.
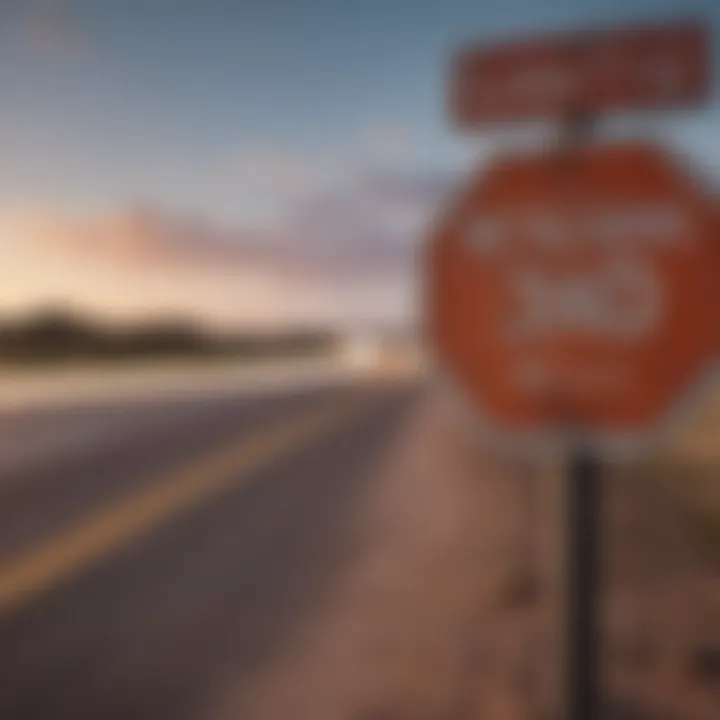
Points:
(583, 585)
(582, 525)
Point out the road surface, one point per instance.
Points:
(153, 551)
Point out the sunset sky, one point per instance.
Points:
(249, 162)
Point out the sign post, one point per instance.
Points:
(572, 294)
(583, 485)
(583, 547)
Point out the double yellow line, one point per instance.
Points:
(66, 555)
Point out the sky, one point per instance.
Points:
(251, 162)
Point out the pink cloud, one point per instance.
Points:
(50, 27)
(340, 255)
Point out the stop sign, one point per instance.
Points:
(576, 292)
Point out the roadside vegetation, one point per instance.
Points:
(53, 337)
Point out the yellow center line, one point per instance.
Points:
(67, 554)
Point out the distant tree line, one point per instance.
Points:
(58, 336)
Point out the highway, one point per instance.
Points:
(153, 550)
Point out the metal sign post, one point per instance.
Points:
(583, 546)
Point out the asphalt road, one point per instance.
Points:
(153, 552)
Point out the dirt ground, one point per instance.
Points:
(451, 607)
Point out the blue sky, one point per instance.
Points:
(225, 110)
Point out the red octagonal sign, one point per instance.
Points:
(576, 292)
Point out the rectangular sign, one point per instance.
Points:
(653, 67)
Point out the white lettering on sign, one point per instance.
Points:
(486, 234)
(555, 82)
(621, 301)
(619, 227)
(665, 76)
(536, 377)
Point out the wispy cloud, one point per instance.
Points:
(339, 252)
(50, 27)
(388, 139)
